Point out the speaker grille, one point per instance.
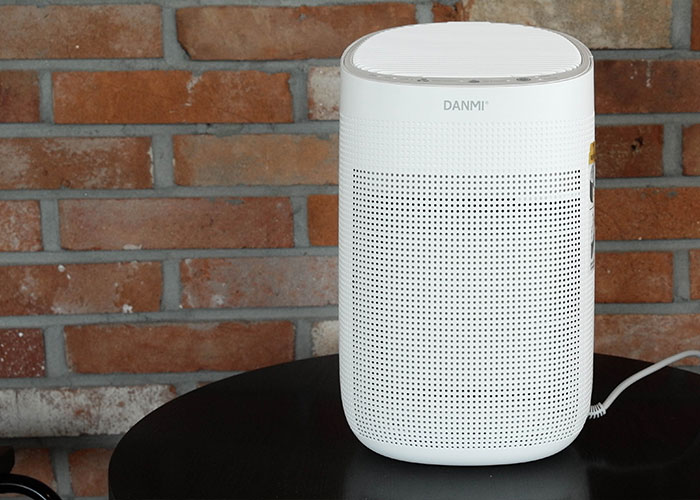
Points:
(461, 285)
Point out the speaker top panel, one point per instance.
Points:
(467, 53)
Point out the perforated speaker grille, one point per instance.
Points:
(466, 291)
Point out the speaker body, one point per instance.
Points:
(466, 242)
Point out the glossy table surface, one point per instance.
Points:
(280, 432)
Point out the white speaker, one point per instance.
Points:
(466, 244)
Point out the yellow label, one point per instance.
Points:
(591, 153)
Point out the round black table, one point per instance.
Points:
(279, 432)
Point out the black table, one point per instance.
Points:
(280, 432)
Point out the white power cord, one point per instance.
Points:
(599, 409)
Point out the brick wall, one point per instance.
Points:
(168, 196)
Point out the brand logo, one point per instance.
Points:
(448, 105)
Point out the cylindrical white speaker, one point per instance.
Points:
(466, 241)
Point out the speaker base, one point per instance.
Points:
(484, 456)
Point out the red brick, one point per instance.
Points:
(695, 24)
(647, 86)
(171, 97)
(259, 282)
(647, 213)
(691, 150)
(634, 277)
(252, 159)
(36, 463)
(241, 33)
(76, 162)
(80, 288)
(176, 223)
(322, 213)
(599, 24)
(695, 274)
(22, 353)
(190, 347)
(20, 225)
(448, 13)
(19, 96)
(647, 336)
(88, 471)
(629, 151)
(323, 89)
(35, 412)
(72, 31)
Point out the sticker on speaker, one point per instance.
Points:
(591, 195)
(591, 165)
